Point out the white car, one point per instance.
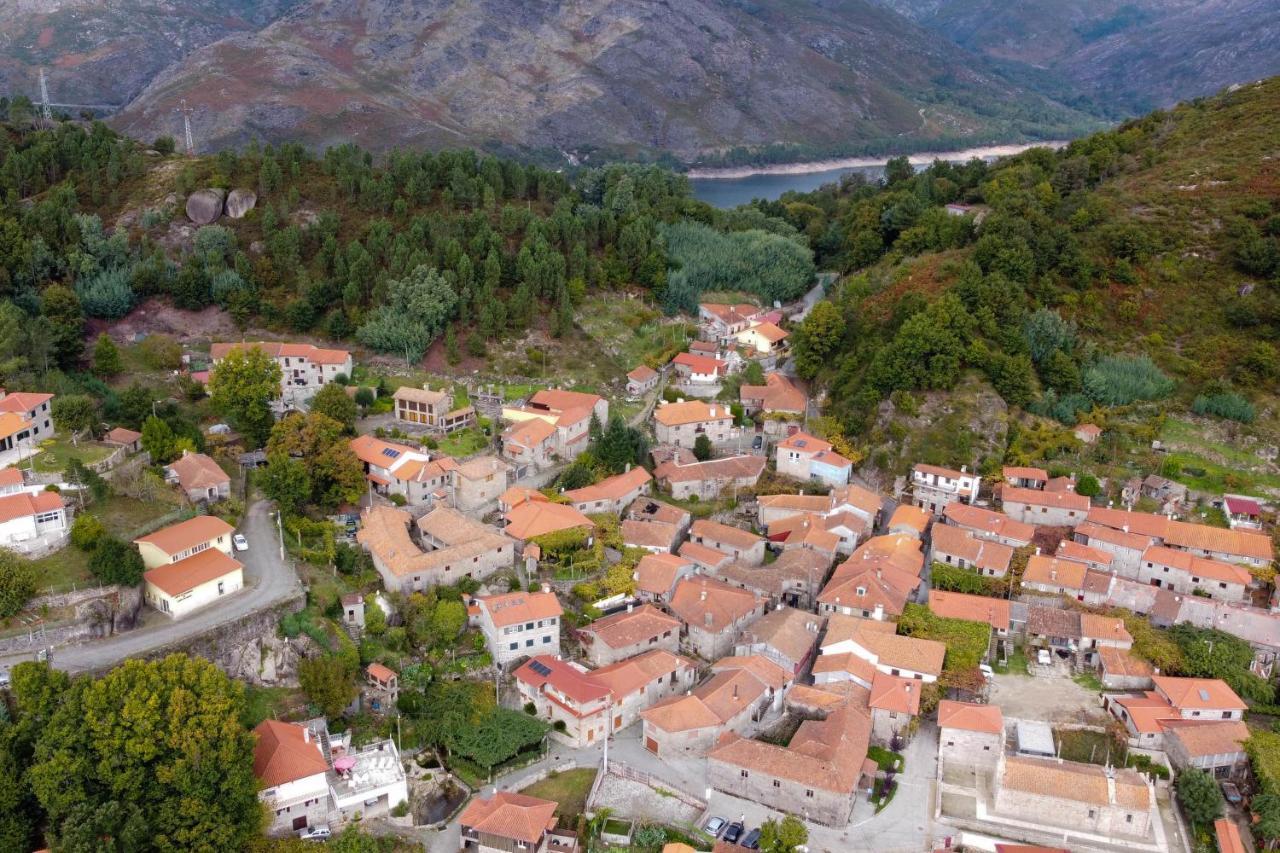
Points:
(315, 833)
(239, 542)
(987, 672)
(1044, 658)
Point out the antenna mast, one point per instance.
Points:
(45, 110)
(186, 127)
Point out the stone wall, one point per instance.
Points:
(1096, 818)
(961, 747)
(820, 805)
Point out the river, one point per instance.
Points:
(734, 186)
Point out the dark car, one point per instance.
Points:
(752, 841)
(734, 832)
(758, 442)
(1231, 793)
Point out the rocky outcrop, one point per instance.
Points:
(240, 202)
(204, 207)
(269, 660)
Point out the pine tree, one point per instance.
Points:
(106, 358)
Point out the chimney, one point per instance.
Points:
(306, 734)
(1125, 528)
(627, 470)
(706, 619)
(703, 596)
(630, 607)
(546, 587)
(1037, 550)
(1053, 574)
(878, 613)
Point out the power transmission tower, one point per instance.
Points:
(186, 127)
(45, 110)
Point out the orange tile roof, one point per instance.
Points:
(691, 412)
(768, 331)
(1210, 694)
(971, 717)
(1086, 783)
(1015, 472)
(910, 517)
(1036, 497)
(864, 590)
(569, 679)
(697, 598)
(507, 815)
(1182, 534)
(529, 433)
(939, 471)
(1120, 662)
(734, 537)
(24, 504)
(381, 672)
(11, 477)
(198, 471)
(120, 435)
(777, 394)
(971, 608)
(709, 558)
(847, 662)
(1051, 571)
(992, 523)
(841, 628)
(892, 693)
(655, 573)
(11, 424)
(983, 553)
(632, 675)
(805, 442)
(1200, 739)
(515, 607)
(173, 579)
(747, 466)
(729, 314)
(1112, 536)
(626, 628)
(516, 495)
(1197, 566)
(285, 752)
(814, 504)
(651, 534)
(21, 402)
(1228, 836)
(611, 488)
(177, 538)
(275, 349)
(534, 518)
(792, 632)
(1071, 550)
(643, 373)
(770, 673)
(562, 400)
(900, 652)
(714, 702)
(703, 364)
(1096, 627)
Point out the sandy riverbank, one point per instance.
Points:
(920, 159)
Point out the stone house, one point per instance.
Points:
(1180, 571)
(987, 525)
(200, 478)
(878, 648)
(641, 380)
(1054, 577)
(569, 413)
(1126, 549)
(418, 476)
(1215, 748)
(786, 636)
(1104, 801)
(1229, 546)
(656, 576)
(894, 703)
(130, 440)
(1093, 559)
(732, 700)
(450, 546)
(293, 772)
(742, 545)
(627, 633)
(1025, 478)
(680, 424)
(955, 546)
(708, 480)
(779, 395)
(693, 369)
(431, 409)
(507, 822)
(793, 579)
(721, 322)
(612, 494)
(531, 442)
(970, 735)
(479, 482)
(1147, 717)
(656, 537)
(1055, 509)
(713, 613)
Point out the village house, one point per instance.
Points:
(804, 457)
(933, 487)
(876, 644)
(1125, 548)
(708, 480)
(505, 822)
(656, 537)
(293, 771)
(31, 522)
(970, 736)
(1216, 748)
(479, 481)
(1054, 576)
(850, 512)
(955, 546)
(793, 579)
(1088, 433)
(595, 704)
(11, 481)
(1119, 669)
(653, 510)
(819, 771)
(693, 369)
(398, 469)
(537, 518)
(130, 440)
(1106, 801)
(704, 558)
(995, 613)
(304, 368)
(422, 407)
(641, 380)
(805, 531)
(568, 412)
(786, 636)
(1216, 543)
(742, 545)
(909, 520)
(713, 613)
(764, 338)
(894, 702)
(778, 395)
(719, 323)
(1242, 512)
(189, 565)
(612, 494)
(985, 524)
(518, 624)
(1168, 493)
(200, 478)
(681, 423)
(26, 419)
(1055, 509)
(1093, 559)
(530, 442)
(450, 546)
(1025, 478)
(656, 576)
(739, 694)
(627, 633)
(1180, 571)
(877, 579)
(1173, 702)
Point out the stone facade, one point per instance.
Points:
(830, 808)
(965, 748)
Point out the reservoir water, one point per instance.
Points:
(735, 186)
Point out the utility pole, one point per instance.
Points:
(280, 530)
(186, 127)
(45, 110)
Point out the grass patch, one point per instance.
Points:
(886, 759)
(56, 453)
(68, 568)
(1089, 747)
(463, 442)
(632, 332)
(1089, 681)
(569, 788)
(267, 703)
(1015, 665)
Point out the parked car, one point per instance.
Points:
(715, 826)
(319, 832)
(758, 442)
(1231, 793)
(734, 832)
(1044, 658)
(752, 841)
(4, 678)
(987, 672)
(240, 543)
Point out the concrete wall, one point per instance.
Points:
(1180, 580)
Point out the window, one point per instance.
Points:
(744, 773)
(808, 792)
(1128, 818)
(777, 784)
(546, 639)
(528, 642)
(513, 646)
(1092, 814)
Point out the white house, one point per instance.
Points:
(26, 419)
(291, 765)
(518, 624)
(32, 523)
(189, 565)
(934, 487)
(805, 457)
(304, 368)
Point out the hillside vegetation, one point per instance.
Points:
(1133, 271)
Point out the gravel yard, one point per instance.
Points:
(638, 801)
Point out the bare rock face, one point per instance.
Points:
(240, 202)
(128, 608)
(205, 206)
(268, 660)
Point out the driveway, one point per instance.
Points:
(268, 581)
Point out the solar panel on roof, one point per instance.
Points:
(540, 668)
(390, 453)
(1204, 695)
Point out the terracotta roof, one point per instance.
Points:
(700, 363)
(507, 815)
(1210, 694)
(515, 607)
(696, 598)
(899, 652)
(656, 573)
(534, 518)
(611, 488)
(528, 433)
(734, 537)
(1036, 497)
(897, 551)
(25, 504)
(1197, 566)
(1071, 550)
(911, 517)
(177, 538)
(958, 542)
(804, 442)
(970, 608)
(1096, 627)
(21, 402)
(1184, 535)
(633, 674)
(481, 467)
(1053, 622)
(380, 672)
(11, 477)
(624, 628)
(971, 717)
(643, 373)
(846, 662)
(646, 508)
(1228, 837)
(768, 331)
(797, 565)
(1112, 536)
(562, 400)
(275, 349)
(1201, 739)
(991, 523)
(1014, 472)
(650, 534)
(939, 471)
(748, 466)
(1122, 663)
(841, 628)
(420, 395)
(857, 497)
(173, 579)
(865, 590)
(120, 435)
(691, 412)
(815, 504)
(714, 702)
(516, 495)
(1085, 783)
(892, 693)
(729, 314)
(1051, 571)
(792, 632)
(706, 557)
(285, 752)
(197, 471)
(777, 394)
(567, 678)
(770, 674)
(385, 534)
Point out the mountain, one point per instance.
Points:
(1125, 56)
(631, 77)
(104, 53)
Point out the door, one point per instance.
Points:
(300, 823)
(651, 745)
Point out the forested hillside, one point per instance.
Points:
(1133, 266)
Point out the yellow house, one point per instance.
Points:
(762, 337)
(189, 565)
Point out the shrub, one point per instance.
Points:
(1118, 380)
(86, 531)
(1088, 486)
(160, 352)
(107, 294)
(531, 709)
(1227, 405)
(397, 499)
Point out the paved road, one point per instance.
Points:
(268, 581)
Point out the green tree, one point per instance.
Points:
(1267, 807)
(415, 312)
(61, 307)
(113, 561)
(158, 440)
(332, 400)
(74, 413)
(783, 836)
(335, 474)
(86, 530)
(329, 683)
(17, 582)
(242, 386)
(286, 481)
(619, 446)
(1199, 795)
(448, 619)
(106, 357)
(156, 741)
(163, 145)
(702, 448)
(817, 338)
(1088, 486)
(365, 398)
